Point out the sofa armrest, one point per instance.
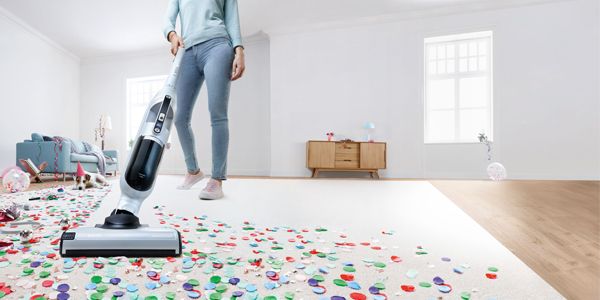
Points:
(58, 158)
(111, 153)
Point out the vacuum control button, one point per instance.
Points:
(157, 130)
(68, 236)
(161, 117)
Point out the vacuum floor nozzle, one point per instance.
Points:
(143, 241)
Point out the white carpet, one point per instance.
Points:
(397, 216)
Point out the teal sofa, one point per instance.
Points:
(60, 159)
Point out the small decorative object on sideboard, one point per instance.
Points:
(346, 156)
(329, 136)
(369, 127)
(496, 171)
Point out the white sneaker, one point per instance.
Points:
(190, 180)
(212, 191)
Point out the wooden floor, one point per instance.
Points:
(552, 226)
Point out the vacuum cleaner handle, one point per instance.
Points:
(172, 79)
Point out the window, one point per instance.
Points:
(458, 87)
(139, 93)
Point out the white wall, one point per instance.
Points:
(546, 98)
(103, 85)
(40, 87)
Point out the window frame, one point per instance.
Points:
(456, 39)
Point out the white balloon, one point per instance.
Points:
(496, 171)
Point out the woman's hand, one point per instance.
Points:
(176, 42)
(239, 64)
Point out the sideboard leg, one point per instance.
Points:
(315, 173)
(376, 173)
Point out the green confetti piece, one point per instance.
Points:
(465, 295)
(44, 274)
(221, 288)
(319, 278)
(379, 265)
(96, 296)
(349, 269)
(425, 284)
(101, 288)
(340, 282)
(493, 269)
(289, 295)
(195, 282)
(380, 285)
(215, 279)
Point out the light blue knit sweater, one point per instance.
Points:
(202, 20)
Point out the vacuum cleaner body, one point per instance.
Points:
(121, 234)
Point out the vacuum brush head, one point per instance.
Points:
(120, 235)
(143, 241)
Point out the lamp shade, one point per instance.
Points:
(108, 123)
(369, 125)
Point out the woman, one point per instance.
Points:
(211, 39)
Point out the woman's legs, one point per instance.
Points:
(188, 85)
(217, 72)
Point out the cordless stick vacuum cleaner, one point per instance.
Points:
(121, 234)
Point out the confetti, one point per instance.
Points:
(219, 261)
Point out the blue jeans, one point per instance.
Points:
(211, 61)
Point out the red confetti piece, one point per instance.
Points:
(358, 296)
(491, 275)
(408, 288)
(47, 283)
(395, 258)
(347, 277)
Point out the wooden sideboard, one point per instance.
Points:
(346, 156)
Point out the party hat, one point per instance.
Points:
(80, 171)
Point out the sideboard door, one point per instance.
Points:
(372, 155)
(321, 155)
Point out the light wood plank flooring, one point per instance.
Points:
(552, 226)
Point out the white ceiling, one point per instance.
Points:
(90, 28)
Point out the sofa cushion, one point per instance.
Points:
(83, 158)
(90, 159)
(36, 137)
(78, 146)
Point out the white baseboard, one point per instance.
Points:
(394, 175)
